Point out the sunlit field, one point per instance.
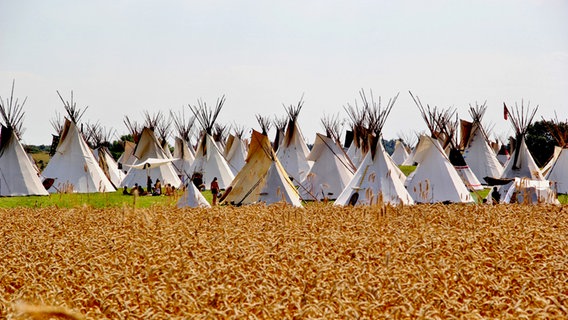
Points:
(424, 261)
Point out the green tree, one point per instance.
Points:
(540, 142)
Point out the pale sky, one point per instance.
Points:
(123, 57)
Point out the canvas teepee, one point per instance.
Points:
(293, 152)
(521, 164)
(558, 166)
(236, 150)
(435, 178)
(377, 179)
(98, 140)
(151, 162)
(73, 166)
(332, 170)
(209, 161)
(478, 153)
(400, 153)
(183, 152)
(192, 198)
(18, 176)
(448, 137)
(262, 179)
(358, 135)
(127, 158)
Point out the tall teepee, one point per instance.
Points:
(377, 179)
(521, 164)
(435, 178)
(209, 161)
(332, 170)
(18, 176)
(400, 153)
(478, 153)
(358, 134)
(448, 137)
(293, 152)
(73, 166)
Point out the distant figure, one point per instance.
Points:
(135, 189)
(157, 188)
(149, 185)
(141, 191)
(169, 191)
(125, 191)
(214, 190)
(495, 195)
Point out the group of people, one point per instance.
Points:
(154, 190)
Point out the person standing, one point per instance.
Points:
(214, 190)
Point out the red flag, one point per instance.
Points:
(505, 111)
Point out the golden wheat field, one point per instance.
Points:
(424, 261)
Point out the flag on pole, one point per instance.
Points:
(505, 111)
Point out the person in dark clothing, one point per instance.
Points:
(495, 195)
(149, 185)
(214, 190)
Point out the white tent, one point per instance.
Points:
(399, 154)
(18, 176)
(183, 159)
(109, 165)
(262, 179)
(521, 164)
(435, 178)
(192, 198)
(74, 167)
(293, 152)
(478, 153)
(209, 160)
(331, 172)
(236, 152)
(149, 151)
(558, 171)
(377, 180)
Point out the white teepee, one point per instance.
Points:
(209, 160)
(183, 152)
(399, 154)
(332, 170)
(478, 153)
(73, 166)
(521, 164)
(18, 176)
(192, 198)
(293, 152)
(435, 178)
(236, 151)
(377, 179)
(158, 165)
(557, 169)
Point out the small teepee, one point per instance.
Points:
(262, 179)
(236, 150)
(377, 180)
(293, 152)
(358, 134)
(332, 170)
(18, 176)
(521, 164)
(209, 161)
(192, 198)
(478, 152)
(400, 153)
(127, 158)
(435, 178)
(183, 152)
(99, 142)
(73, 166)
